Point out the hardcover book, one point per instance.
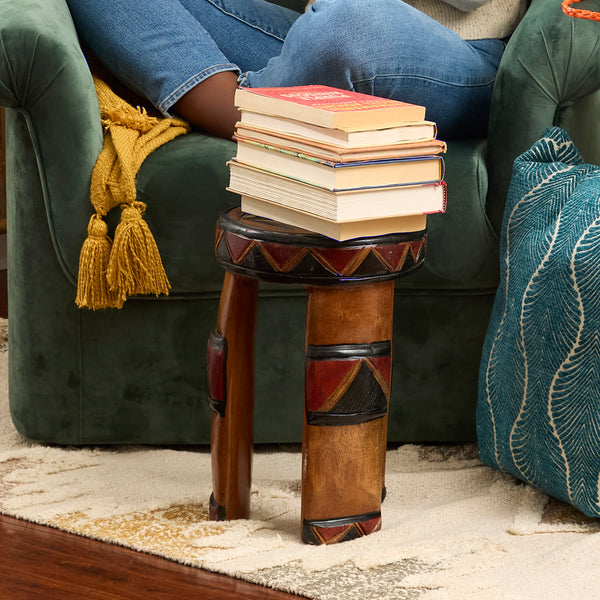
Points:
(335, 153)
(406, 132)
(341, 205)
(329, 107)
(344, 175)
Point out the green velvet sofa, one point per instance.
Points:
(137, 375)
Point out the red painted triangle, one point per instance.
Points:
(384, 366)
(338, 258)
(328, 533)
(371, 525)
(238, 246)
(322, 379)
(416, 249)
(281, 254)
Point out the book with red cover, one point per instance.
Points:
(329, 107)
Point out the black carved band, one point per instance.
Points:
(349, 351)
(216, 511)
(343, 419)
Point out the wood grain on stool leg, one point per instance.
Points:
(348, 375)
(348, 361)
(232, 424)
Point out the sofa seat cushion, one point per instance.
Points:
(184, 185)
(462, 248)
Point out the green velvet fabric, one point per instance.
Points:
(551, 64)
(138, 375)
(183, 184)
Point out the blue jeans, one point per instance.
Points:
(163, 48)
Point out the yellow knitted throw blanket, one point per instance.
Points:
(110, 271)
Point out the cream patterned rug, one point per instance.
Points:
(452, 528)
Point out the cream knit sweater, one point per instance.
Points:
(492, 19)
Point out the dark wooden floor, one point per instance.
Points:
(41, 563)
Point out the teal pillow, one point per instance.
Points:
(538, 411)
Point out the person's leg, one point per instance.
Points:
(380, 47)
(161, 50)
(387, 48)
(248, 32)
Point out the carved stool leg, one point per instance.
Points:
(348, 375)
(231, 392)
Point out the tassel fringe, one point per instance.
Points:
(92, 287)
(135, 266)
(109, 272)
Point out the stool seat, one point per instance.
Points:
(348, 367)
(272, 251)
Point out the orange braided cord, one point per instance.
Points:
(578, 12)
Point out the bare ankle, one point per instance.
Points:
(209, 105)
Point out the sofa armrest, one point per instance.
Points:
(45, 78)
(551, 62)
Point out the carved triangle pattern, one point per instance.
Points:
(282, 258)
(392, 256)
(344, 392)
(340, 261)
(290, 261)
(219, 233)
(239, 247)
(326, 380)
(320, 533)
(417, 248)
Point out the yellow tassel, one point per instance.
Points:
(92, 288)
(135, 266)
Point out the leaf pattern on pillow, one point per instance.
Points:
(538, 412)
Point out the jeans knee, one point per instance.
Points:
(344, 33)
(347, 10)
(354, 16)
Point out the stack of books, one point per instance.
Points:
(336, 162)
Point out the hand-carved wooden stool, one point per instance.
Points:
(348, 367)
